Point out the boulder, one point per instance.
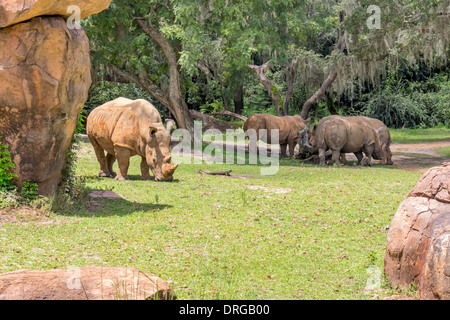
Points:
(89, 283)
(15, 11)
(418, 242)
(44, 82)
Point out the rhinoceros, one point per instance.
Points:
(343, 135)
(288, 127)
(385, 139)
(125, 128)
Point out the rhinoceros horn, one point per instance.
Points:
(170, 123)
(169, 169)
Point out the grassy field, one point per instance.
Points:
(305, 233)
(419, 135)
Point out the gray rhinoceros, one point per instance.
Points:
(342, 135)
(288, 127)
(125, 128)
(384, 137)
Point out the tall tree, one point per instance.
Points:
(130, 39)
(373, 34)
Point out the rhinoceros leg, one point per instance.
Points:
(292, 145)
(283, 150)
(367, 160)
(100, 154)
(336, 157)
(110, 159)
(145, 170)
(387, 156)
(322, 157)
(123, 158)
(359, 155)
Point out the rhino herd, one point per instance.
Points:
(365, 137)
(125, 128)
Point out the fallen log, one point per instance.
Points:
(217, 173)
(229, 114)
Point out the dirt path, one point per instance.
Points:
(416, 156)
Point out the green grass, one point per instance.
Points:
(445, 151)
(419, 135)
(215, 238)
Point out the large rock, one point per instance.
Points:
(418, 244)
(90, 283)
(44, 82)
(15, 11)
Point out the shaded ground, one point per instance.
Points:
(407, 156)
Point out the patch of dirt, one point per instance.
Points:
(276, 191)
(418, 156)
(22, 215)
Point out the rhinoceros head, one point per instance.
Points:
(157, 151)
(305, 138)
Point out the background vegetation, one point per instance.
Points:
(197, 55)
(305, 233)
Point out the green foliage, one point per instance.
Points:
(225, 36)
(257, 100)
(6, 164)
(29, 190)
(405, 103)
(104, 91)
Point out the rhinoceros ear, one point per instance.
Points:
(153, 131)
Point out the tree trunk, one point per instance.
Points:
(290, 91)
(330, 104)
(316, 96)
(267, 84)
(229, 114)
(174, 100)
(238, 99)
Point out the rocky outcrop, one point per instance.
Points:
(44, 83)
(15, 11)
(418, 244)
(89, 283)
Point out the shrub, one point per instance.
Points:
(395, 110)
(6, 164)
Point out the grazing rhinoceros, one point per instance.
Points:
(125, 128)
(343, 135)
(385, 139)
(288, 127)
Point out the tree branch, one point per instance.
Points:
(325, 85)
(267, 84)
(144, 82)
(229, 114)
(290, 88)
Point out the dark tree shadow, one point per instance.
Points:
(104, 207)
